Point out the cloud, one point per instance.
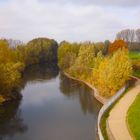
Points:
(28, 19)
(130, 3)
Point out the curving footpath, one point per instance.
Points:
(116, 123)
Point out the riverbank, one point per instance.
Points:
(133, 116)
(100, 98)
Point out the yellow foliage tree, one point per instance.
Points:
(112, 73)
(9, 70)
(84, 62)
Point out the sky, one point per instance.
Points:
(71, 20)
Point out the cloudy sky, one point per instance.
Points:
(72, 20)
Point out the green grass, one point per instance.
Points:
(133, 118)
(134, 55)
(136, 73)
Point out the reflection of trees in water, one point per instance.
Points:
(73, 88)
(39, 72)
(11, 122)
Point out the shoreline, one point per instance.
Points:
(98, 97)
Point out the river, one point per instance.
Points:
(53, 107)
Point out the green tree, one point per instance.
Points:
(41, 50)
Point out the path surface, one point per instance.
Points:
(117, 118)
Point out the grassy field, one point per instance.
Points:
(133, 118)
(136, 73)
(134, 55)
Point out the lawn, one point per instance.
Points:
(134, 55)
(133, 118)
(136, 73)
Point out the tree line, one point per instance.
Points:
(131, 37)
(107, 67)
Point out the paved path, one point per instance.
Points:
(117, 118)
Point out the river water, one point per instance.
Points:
(53, 107)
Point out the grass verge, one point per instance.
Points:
(137, 74)
(133, 118)
(134, 55)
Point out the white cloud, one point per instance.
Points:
(129, 3)
(31, 18)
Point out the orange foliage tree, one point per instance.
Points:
(116, 45)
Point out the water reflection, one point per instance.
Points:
(53, 107)
(73, 88)
(11, 121)
(39, 72)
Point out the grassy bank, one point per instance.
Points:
(134, 55)
(136, 73)
(133, 118)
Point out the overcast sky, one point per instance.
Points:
(72, 20)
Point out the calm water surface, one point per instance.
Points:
(53, 107)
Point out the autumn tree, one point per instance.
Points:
(41, 50)
(20, 53)
(99, 47)
(86, 55)
(112, 73)
(67, 54)
(9, 70)
(85, 61)
(107, 73)
(117, 44)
